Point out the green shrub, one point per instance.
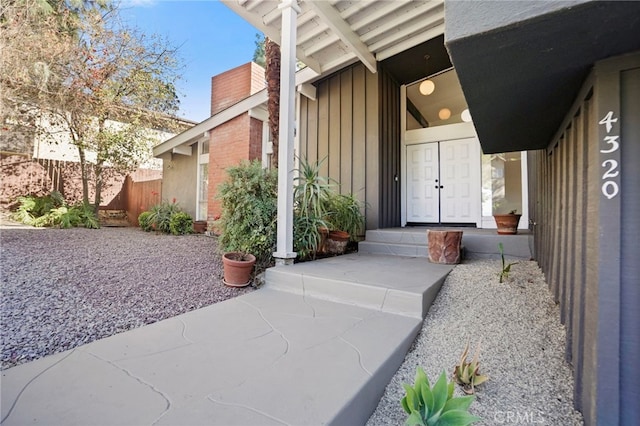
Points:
(181, 223)
(87, 215)
(24, 212)
(144, 220)
(343, 213)
(51, 210)
(249, 209)
(435, 406)
(160, 217)
(306, 235)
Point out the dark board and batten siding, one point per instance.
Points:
(342, 129)
(390, 198)
(587, 239)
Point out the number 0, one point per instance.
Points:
(610, 189)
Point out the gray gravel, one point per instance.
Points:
(522, 347)
(64, 288)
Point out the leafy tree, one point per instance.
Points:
(258, 53)
(72, 66)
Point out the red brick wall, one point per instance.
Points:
(238, 139)
(255, 139)
(230, 87)
(228, 146)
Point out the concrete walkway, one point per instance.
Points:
(316, 345)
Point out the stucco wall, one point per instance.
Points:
(585, 208)
(179, 179)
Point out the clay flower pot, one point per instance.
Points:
(337, 242)
(444, 246)
(238, 268)
(507, 223)
(200, 226)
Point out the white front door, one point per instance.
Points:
(443, 182)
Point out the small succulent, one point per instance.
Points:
(506, 267)
(467, 374)
(435, 406)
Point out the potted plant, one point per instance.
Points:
(346, 220)
(247, 223)
(507, 223)
(237, 268)
(311, 194)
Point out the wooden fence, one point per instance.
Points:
(133, 193)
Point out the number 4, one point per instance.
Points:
(608, 120)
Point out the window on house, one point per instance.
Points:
(501, 183)
(203, 179)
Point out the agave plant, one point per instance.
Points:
(433, 406)
(467, 374)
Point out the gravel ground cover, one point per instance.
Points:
(64, 288)
(522, 347)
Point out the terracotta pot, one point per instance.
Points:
(507, 223)
(238, 268)
(337, 242)
(444, 246)
(324, 234)
(200, 226)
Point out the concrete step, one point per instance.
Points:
(366, 280)
(324, 337)
(265, 358)
(478, 243)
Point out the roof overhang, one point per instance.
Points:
(200, 130)
(332, 34)
(522, 63)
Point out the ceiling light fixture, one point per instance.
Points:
(444, 114)
(466, 116)
(428, 86)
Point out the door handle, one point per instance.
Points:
(439, 186)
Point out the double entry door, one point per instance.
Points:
(443, 182)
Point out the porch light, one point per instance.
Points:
(427, 87)
(444, 114)
(466, 116)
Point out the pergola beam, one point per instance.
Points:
(330, 17)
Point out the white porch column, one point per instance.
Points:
(284, 251)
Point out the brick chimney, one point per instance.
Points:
(230, 87)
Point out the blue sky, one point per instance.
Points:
(211, 37)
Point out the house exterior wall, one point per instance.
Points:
(390, 145)
(230, 143)
(341, 129)
(234, 85)
(586, 208)
(179, 177)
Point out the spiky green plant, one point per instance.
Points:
(506, 267)
(467, 374)
(435, 406)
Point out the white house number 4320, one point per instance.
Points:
(611, 144)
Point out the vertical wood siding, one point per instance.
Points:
(341, 129)
(580, 237)
(561, 235)
(390, 150)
